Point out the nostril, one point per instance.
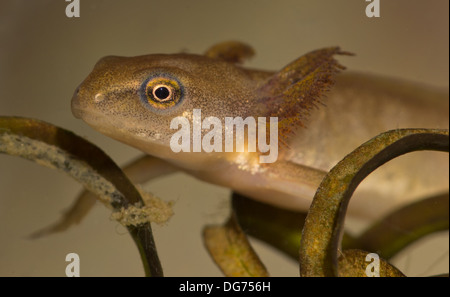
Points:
(77, 90)
(75, 103)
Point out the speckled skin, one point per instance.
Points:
(217, 87)
(358, 108)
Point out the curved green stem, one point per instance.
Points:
(57, 148)
(323, 227)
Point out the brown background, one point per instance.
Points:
(44, 55)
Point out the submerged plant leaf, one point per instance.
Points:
(231, 251)
(57, 148)
(387, 237)
(323, 228)
(353, 263)
(401, 228)
(282, 231)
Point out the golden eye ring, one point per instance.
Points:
(161, 92)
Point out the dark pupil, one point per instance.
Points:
(162, 93)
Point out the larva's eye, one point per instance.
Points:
(162, 93)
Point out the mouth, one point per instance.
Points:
(76, 112)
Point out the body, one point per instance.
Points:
(118, 100)
(359, 107)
